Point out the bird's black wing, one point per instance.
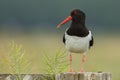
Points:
(91, 42)
(64, 38)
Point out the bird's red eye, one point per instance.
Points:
(75, 12)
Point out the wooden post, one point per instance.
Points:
(61, 76)
(84, 76)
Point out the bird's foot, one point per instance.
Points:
(82, 70)
(72, 70)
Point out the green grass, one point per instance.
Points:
(16, 61)
(57, 63)
(104, 56)
(19, 64)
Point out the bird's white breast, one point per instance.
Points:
(76, 44)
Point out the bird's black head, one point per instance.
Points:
(78, 16)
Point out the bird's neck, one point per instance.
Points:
(78, 23)
(78, 29)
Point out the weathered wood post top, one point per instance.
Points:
(84, 76)
(61, 76)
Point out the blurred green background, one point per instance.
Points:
(32, 23)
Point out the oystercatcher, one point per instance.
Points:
(77, 38)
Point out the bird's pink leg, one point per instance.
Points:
(70, 62)
(83, 61)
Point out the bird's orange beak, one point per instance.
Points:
(64, 21)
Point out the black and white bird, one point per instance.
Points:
(77, 38)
